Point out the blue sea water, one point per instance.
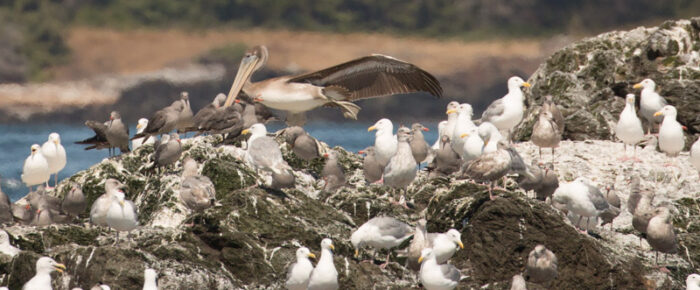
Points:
(16, 139)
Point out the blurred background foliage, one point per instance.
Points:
(33, 29)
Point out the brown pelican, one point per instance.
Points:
(366, 77)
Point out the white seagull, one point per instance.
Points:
(629, 127)
(300, 272)
(506, 112)
(671, 138)
(42, 278)
(650, 102)
(55, 155)
(36, 168)
(324, 276)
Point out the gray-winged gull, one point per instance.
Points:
(446, 161)
(138, 142)
(671, 138)
(445, 244)
(371, 169)
(650, 102)
(122, 215)
(583, 199)
(205, 114)
(36, 168)
(332, 173)
(42, 278)
(99, 208)
(303, 145)
(55, 155)
(168, 151)
(5, 246)
(99, 140)
(660, 234)
(74, 202)
(435, 276)
(197, 192)
(541, 265)
(184, 118)
(299, 273)
(163, 121)
(629, 127)
(263, 151)
(401, 169)
(506, 112)
(117, 133)
(380, 233)
(385, 142)
(23, 213)
(150, 279)
(419, 148)
(324, 276)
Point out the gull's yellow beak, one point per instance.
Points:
(357, 253)
(246, 131)
(630, 101)
(122, 203)
(312, 256)
(420, 260)
(659, 113)
(451, 111)
(139, 126)
(463, 135)
(55, 142)
(332, 247)
(461, 246)
(637, 86)
(371, 128)
(526, 84)
(59, 267)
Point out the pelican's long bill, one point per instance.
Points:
(245, 70)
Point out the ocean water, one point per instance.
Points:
(16, 139)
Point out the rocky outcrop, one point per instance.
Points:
(249, 238)
(590, 78)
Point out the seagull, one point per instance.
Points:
(122, 215)
(435, 276)
(223, 121)
(473, 145)
(546, 132)
(371, 169)
(401, 169)
(138, 142)
(24, 214)
(303, 145)
(5, 247)
(436, 146)
(332, 173)
(419, 148)
(418, 243)
(74, 202)
(263, 152)
(452, 115)
(660, 234)
(380, 233)
(494, 165)
(506, 112)
(445, 244)
(582, 198)
(42, 278)
(197, 192)
(205, 113)
(117, 133)
(150, 281)
(36, 168)
(650, 103)
(671, 138)
(629, 127)
(446, 161)
(299, 273)
(324, 276)
(99, 208)
(531, 183)
(168, 151)
(550, 106)
(695, 155)
(5, 209)
(518, 283)
(338, 86)
(692, 282)
(490, 135)
(99, 141)
(385, 142)
(639, 204)
(163, 121)
(55, 155)
(184, 119)
(463, 125)
(614, 202)
(541, 265)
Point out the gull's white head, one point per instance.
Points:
(46, 265)
(646, 84)
(55, 138)
(142, 124)
(456, 237)
(465, 109)
(119, 197)
(383, 126)
(486, 131)
(403, 134)
(692, 282)
(256, 129)
(452, 108)
(426, 254)
(514, 83)
(304, 253)
(540, 251)
(112, 184)
(630, 99)
(667, 111)
(35, 148)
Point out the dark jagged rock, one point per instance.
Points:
(590, 78)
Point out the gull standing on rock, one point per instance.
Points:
(419, 148)
(446, 161)
(550, 106)
(300, 272)
(117, 133)
(332, 173)
(184, 119)
(438, 142)
(371, 169)
(506, 112)
(324, 276)
(629, 127)
(473, 145)
(650, 102)
(695, 155)
(36, 168)
(385, 142)
(546, 132)
(5, 209)
(435, 276)
(445, 244)
(401, 170)
(55, 155)
(660, 234)
(42, 278)
(494, 165)
(615, 206)
(303, 145)
(490, 136)
(168, 151)
(196, 191)
(671, 138)
(205, 114)
(150, 279)
(583, 199)
(5, 247)
(138, 142)
(263, 151)
(464, 124)
(452, 115)
(24, 214)
(99, 209)
(74, 202)
(418, 243)
(163, 121)
(541, 265)
(692, 282)
(121, 215)
(380, 233)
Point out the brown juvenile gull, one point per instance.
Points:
(55, 155)
(299, 273)
(184, 119)
(380, 233)
(545, 132)
(39, 197)
(117, 133)
(36, 168)
(494, 165)
(614, 202)
(650, 102)
(640, 206)
(99, 208)
(401, 169)
(506, 112)
(533, 182)
(629, 127)
(434, 276)
(541, 265)
(550, 182)
(163, 121)
(446, 161)
(418, 243)
(550, 106)
(303, 145)
(419, 148)
(285, 179)
(332, 173)
(168, 152)
(248, 115)
(74, 202)
(196, 191)
(671, 139)
(660, 233)
(371, 169)
(5, 209)
(324, 276)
